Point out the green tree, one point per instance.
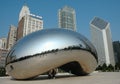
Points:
(117, 66)
(99, 68)
(104, 67)
(110, 68)
(2, 71)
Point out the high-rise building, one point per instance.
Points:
(67, 18)
(24, 11)
(3, 55)
(11, 36)
(3, 51)
(0, 43)
(116, 47)
(101, 38)
(3, 43)
(28, 23)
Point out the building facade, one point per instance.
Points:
(3, 55)
(0, 43)
(3, 51)
(28, 23)
(101, 38)
(11, 40)
(3, 43)
(67, 18)
(24, 11)
(116, 47)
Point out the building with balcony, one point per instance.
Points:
(67, 18)
(28, 22)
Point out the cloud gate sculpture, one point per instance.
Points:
(41, 51)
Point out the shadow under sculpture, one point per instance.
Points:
(41, 51)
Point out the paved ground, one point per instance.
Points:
(94, 78)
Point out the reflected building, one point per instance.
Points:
(28, 22)
(11, 40)
(101, 38)
(67, 18)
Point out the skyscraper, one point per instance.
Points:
(116, 48)
(101, 38)
(28, 22)
(11, 36)
(3, 55)
(0, 43)
(67, 18)
(3, 51)
(3, 43)
(24, 11)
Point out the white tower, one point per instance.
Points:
(11, 40)
(3, 43)
(101, 38)
(67, 18)
(24, 11)
(28, 23)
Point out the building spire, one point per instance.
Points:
(24, 11)
(25, 3)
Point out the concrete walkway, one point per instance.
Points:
(94, 78)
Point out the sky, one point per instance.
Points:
(86, 10)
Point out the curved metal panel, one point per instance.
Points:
(47, 42)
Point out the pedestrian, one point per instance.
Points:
(52, 73)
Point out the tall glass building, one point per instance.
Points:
(101, 38)
(67, 18)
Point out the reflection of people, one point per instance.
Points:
(11, 67)
(52, 73)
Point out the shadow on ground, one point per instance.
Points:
(45, 77)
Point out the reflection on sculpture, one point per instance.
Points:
(47, 49)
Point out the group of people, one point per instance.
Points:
(52, 73)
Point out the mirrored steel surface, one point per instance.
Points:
(47, 40)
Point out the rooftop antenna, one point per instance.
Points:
(25, 3)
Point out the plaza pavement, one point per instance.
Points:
(94, 78)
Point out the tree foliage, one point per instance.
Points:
(109, 68)
(117, 66)
(2, 71)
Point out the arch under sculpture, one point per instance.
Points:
(41, 51)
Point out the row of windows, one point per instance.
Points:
(67, 20)
(34, 21)
(65, 13)
(34, 25)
